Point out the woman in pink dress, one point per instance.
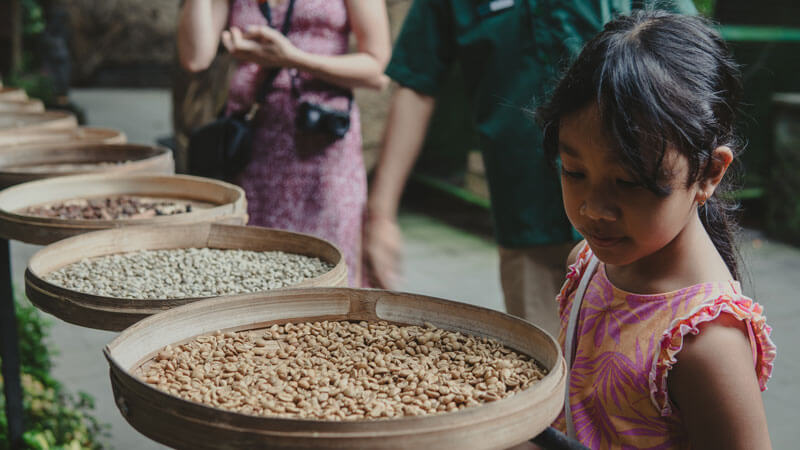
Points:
(296, 180)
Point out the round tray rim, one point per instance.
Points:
(161, 153)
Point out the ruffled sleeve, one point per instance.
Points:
(671, 343)
(573, 278)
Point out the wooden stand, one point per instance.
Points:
(9, 344)
(9, 340)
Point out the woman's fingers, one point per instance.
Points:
(239, 46)
(227, 42)
(261, 33)
(260, 44)
(236, 37)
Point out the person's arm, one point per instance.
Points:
(267, 47)
(404, 134)
(716, 390)
(200, 25)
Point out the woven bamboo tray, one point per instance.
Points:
(24, 163)
(184, 424)
(30, 105)
(215, 201)
(79, 135)
(14, 122)
(12, 93)
(108, 313)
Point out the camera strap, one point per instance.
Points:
(263, 5)
(266, 10)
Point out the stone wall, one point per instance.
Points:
(108, 34)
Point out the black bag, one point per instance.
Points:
(222, 148)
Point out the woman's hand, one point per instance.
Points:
(262, 45)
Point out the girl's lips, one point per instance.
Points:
(603, 241)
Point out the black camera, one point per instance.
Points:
(317, 118)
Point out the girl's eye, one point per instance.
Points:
(570, 174)
(628, 183)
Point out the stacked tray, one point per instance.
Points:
(15, 122)
(27, 106)
(12, 94)
(63, 136)
(21, 164)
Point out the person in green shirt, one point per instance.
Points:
(509, 52)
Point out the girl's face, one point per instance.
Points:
(621, 220)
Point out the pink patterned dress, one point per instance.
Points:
(627, 343)
(296, 181)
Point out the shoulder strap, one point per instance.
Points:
(267, 12)
(569, 337)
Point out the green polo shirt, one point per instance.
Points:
(510, 53)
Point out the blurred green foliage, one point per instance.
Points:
(54, 419)
(706, 7)
(27, 76)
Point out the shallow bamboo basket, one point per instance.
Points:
(18, 164)
(108, 313)
(184, 424)
(14, 122)
(12, 93)
(30, 105)
(216, 201)
(79, 135)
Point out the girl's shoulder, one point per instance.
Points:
(724, 308)
(577, 262)
(576, 250)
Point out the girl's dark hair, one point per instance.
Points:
(660, 80)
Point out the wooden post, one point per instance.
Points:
(10, 37)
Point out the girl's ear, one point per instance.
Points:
(721, 158)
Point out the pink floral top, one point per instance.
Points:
(625, 346)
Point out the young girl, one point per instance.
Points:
(666, 350)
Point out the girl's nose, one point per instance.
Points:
(599, 209)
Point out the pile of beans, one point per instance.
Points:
(110, 208)
(341, 371)
(186, 272)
